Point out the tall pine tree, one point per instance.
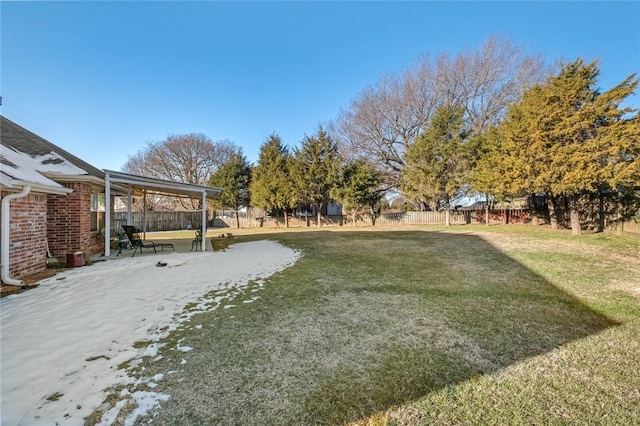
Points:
(316, 170)
(234, 176)
(360, 186)
(437, 162)
(271, 187)
(568, 139)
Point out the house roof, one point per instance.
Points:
(53, 160)
(18, 170)
(26, 159)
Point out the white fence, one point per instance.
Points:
(423, 218)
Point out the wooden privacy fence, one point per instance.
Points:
(160, 220)
(171, 221)
(630, 226)
(457, 217)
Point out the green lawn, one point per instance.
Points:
(499, 325)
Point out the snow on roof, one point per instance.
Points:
(468, 200)
(32, 168)
(24, 141)
(54, 163)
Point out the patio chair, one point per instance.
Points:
(138, 243)
(196, 244)
(120, 241)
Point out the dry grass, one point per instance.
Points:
(417, 325)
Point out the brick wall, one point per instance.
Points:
(27, 235)
(69, 223)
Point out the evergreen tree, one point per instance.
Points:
(487, 169)
(316, 170)
(359, 187)
(234, 176)
(271, 187)
(437, 162)
(567, 139)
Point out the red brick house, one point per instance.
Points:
(55, 200)
(54, 203)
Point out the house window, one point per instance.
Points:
(97, 210)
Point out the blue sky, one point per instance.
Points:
(100, 79)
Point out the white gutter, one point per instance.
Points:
(4, 261)
(17, 185)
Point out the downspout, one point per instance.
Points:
(4, 262)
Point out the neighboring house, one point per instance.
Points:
(63, 210)
(332, 208)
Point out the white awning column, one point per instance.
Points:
(107, 214)
(144, 214)
(129, 203)
(204, 221)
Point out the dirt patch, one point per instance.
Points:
(31, 281)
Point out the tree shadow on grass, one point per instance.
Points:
(366, 321)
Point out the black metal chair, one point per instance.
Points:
(138, 243)
(120, 241)
(196, 244)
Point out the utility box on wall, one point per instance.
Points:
(75, 259)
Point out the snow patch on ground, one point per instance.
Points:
(62, 343)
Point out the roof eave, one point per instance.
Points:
(58, 177)
(17, 185)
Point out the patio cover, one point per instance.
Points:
(139, 185)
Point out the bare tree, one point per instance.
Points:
(136, 164)
(486, 81)
(386, 118)
(190, 158)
